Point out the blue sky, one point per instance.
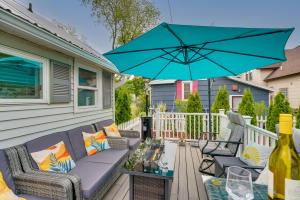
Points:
(242, 13)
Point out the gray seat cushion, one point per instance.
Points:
(5, 170)
(109, 156)
(47, 141)
(99, 125)
(76, 139)
(30, 197)
(134, 143)
(93, 175)
(231, 161)
(219, 151)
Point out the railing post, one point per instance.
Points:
(248, 121)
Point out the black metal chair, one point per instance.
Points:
(213, 148)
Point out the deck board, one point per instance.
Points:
(187, 182)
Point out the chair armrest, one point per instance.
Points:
(44, 186)
(245, 167)
(130, 134)
(118, 142)
(224, 141)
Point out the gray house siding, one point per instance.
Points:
(258, 93)
(166, 93)
(22, 122)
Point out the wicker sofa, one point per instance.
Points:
(93, 175)
(30, 186)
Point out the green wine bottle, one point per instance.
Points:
(284, 164)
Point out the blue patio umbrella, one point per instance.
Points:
(187, 52)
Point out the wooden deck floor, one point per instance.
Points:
(187, 183)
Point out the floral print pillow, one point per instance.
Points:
(95, 142)
(55, 158)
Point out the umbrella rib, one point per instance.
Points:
(144, 62)
(174, 34)
(201, 57)
(199, 49)
(241, 37)
(165, 66)
(191, 77)
(219, 65)
(245, 54)
(172, 60)
(172, 55)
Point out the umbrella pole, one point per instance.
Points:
(209, 111)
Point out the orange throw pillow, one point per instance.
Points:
(112, 131)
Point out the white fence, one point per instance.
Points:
(262, 120)
(190, 126)
(133, 124)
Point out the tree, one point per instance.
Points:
(124, 19)
(246, 107)
(221, 102)
(181, 105)
(194, 106)
(123, 109)
(260, 108)
(270, 122)
(298, 118)
(281, 105)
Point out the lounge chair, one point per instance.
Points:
(227, 148)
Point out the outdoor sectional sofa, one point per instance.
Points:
(92, 176)
(28, 185)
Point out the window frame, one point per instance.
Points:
(97, 89)
(45, 75)
(182, 88)
(284, 91)
(231, 101)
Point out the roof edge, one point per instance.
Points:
(25, 27)
(250, 83)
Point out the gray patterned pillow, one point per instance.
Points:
(296, 138)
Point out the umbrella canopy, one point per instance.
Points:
(187, 52)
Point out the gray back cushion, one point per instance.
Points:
(236, 136)
(99, 125)
(296, 138)
(47, 141)
(5, 170)
(76, 139)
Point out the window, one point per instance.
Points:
(23, 77)
(87, 88)
(284, 91)
(186, 89)
(107, 89)
(235, 102)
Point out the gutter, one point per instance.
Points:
(25, 28)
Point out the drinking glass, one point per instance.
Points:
(239, 184)
(163, 163)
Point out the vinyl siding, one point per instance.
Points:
(22, 122)
(166, 92)
(163, 93)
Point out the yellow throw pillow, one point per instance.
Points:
(95, 142)
(112, 130)
(55, 158)
(256, 155)
(5, 192)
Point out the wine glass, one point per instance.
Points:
(239, 184)
(163, 163)
(148, 142)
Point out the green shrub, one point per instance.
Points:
(123, 109)
(221, 102)
(161, 107)
(298, 119)
(246, 107)
(280, 105)
(181, 106)
(260, 108)
(194, 106)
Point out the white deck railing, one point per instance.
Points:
(262, 120)
(133, 124)
(191, 126)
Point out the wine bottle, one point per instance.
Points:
(284, 164)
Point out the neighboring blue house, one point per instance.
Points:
(167, 91)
